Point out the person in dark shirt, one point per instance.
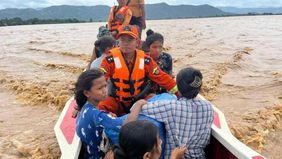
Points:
(153, 46)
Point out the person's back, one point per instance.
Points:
(187, 120)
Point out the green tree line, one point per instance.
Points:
(19, 21)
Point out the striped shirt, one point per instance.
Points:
(187, 122)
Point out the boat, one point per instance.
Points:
(223, 145)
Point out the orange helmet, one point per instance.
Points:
(130, 30)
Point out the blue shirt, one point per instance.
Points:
(89, 127)
(91, 123)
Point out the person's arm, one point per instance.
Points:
(142, 7)
(93, 57)
(164, 80)
(110, 18)
(110, 122)
(159, 110)
(128, 16)
(136, 108)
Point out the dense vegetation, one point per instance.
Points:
(19, 21)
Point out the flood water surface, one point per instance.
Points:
(240, 58)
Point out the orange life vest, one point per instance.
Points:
(117, 17)
(128, 83)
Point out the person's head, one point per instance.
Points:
(154, 42)
(91, 86)
(121, 2)
(105, 43)
(189, 82)
(103, 31)
(138, 140)
(128, 38)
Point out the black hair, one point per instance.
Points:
(135, 139)
(149, 32)
(84, 83)
(151, 37)
(189, 82)
(104, 42)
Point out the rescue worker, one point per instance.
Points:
(119, 16)
(127, 68)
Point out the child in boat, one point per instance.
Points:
(153, 46)
(90, 88)
(188, 119)
(105, 44)
(103, 32)
(141, 139)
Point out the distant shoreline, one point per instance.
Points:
(34, 21)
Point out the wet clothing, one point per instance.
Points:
(119, 16)
(187, 122)
(136, 21)
(137, 14)
(150, 69)
(90, 125)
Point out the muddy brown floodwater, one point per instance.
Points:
(240, 57)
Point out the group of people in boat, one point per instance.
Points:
(129, 105)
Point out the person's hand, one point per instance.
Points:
(109, 155)
(135, 110)
(178, 153)
(141, 102)
(112, 114)
(143, 24)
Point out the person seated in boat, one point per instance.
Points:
(90, 88)
(141, 140)
(153, 46)
(105, 44)
(126, 67)
(119, 16)
(103, 32)
(188, 119)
